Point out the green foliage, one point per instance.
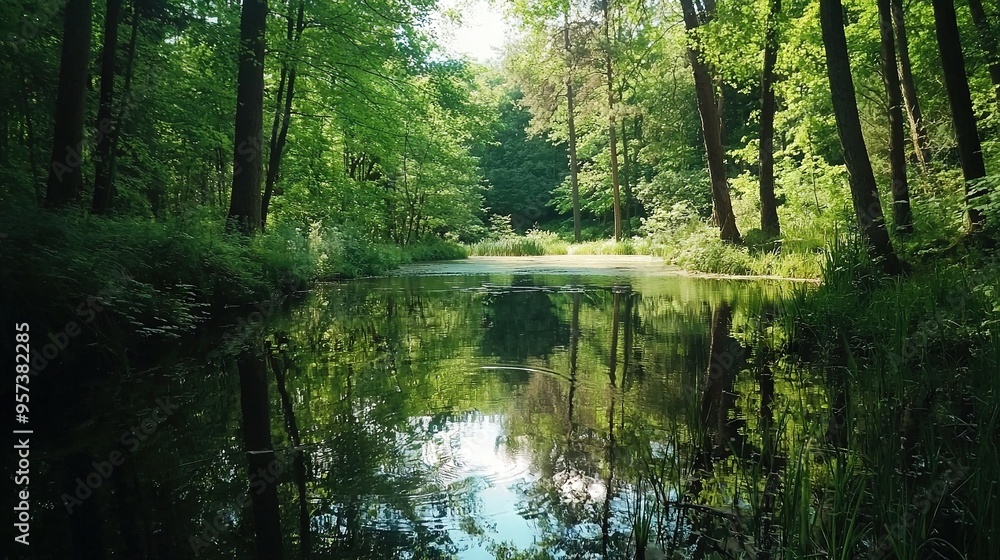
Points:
(434, 251)
(67, 257)
(521, 171)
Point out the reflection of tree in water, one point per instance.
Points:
(521, 322)
(367, 379)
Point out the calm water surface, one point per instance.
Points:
(472, 416)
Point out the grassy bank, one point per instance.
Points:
(160, 278)
(862, 420)
(911, 446)
(696, 249)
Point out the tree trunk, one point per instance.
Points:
(245, 203)
(627, 183)
(256, 427)
(918, 132)
(864, 191)
(768, 205)
(66, 164)
(124, 101)
(902, 216)
(711, 127)
(104, 173)
(571, 122)
(988, 42)
(292, 428)
(970, 150)
(612, 126)
(278, 142)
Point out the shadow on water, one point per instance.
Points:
(456, 417)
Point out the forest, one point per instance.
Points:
(350, 141)
(211, 193)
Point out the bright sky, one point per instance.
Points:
(479, 32)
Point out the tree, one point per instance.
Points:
(245, 204)
(902, 215)
(283, 115)
(66, 164)
(864, 191)
(918, 131)
(522, 172)
(711, 126)
(612, 127)
(104, 158)
(768, 207)
(574, 168)
(988, 42)
(970, 150)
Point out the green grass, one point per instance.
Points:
(534, 243)
(916, 363)
(696, 249)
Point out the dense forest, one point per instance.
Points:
(346, 132)
(165, 164)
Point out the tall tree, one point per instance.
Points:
(901, 213)
(66, 163)
(864, 191)
(711, 125)
(245, 204)
(104, 158)
(988, 42)
(612, 127)
(918, 131)
(283, 115)
(970, 150)
(574, 169)
(768, 206)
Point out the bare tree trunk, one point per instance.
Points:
(104, 173)
(970, 149)
(768, 205)
(612, 127)
(988, 42)
(245, 203)
(918, 132)
(901, 213)
(864, 191)
(66, 164)
(571, 122)
(711, 126)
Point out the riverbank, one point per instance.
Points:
(126, 279)
(576, 264)
(696, 250)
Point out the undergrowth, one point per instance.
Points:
(161, 278)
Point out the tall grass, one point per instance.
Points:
(534, 243)
(886, 421)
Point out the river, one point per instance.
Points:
(493, 408)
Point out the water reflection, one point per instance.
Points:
(455, 417)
